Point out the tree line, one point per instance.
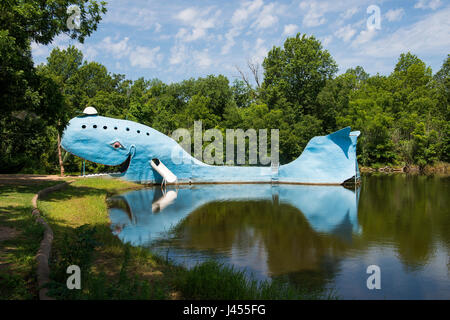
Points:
(403, 117)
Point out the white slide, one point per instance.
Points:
(164, 201)
(167, 175)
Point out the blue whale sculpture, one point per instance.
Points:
(329, 159)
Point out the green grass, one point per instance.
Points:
(110, 269)
(17, 275)
(213, 280)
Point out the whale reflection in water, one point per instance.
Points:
(143, 216)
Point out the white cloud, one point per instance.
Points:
(248, 11)
(395, 14)
(139, 17)
(243, 13)
(326, 40)
(202, 58)
(199, 21)
(345, 33)
(364, 36)
(315, 11)
(349, 13)
(259, 51)
(266, 18)
(188, 15)
(290, 29)
(181, 56)
(428, 4)
(89, 52)
(145, 57)
(178, 54)
(428, 36)
(230, 42)
(39, 50)
(117, 49)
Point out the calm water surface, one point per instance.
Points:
(320, 237)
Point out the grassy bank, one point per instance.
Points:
(109, 269)
(113, 270)
(20, 240)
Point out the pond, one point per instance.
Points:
(318, 237)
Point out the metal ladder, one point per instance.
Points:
(274, 166)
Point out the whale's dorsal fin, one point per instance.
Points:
(342, 139)
(343, 133)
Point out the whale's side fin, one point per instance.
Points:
(329, 159)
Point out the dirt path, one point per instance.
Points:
(26, 179)
(7, 233)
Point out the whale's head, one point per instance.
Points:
(104, 140)
(127, 144)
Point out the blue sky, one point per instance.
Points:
(176, 40)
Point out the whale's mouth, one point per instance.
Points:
(117, 170)
(123, 167)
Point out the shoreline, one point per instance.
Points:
(440, 168)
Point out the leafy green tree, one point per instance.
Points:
(334, 98)
(198, 109)
(297, 72)
(242, 94)
(442, 79)
(81, 84)
(42, 21)
(424, 146)
(23, 90)
(217, 89)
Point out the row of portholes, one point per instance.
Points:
(115, 128)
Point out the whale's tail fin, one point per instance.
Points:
(327, 159)
(354, 137)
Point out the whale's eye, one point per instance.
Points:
(117, 145)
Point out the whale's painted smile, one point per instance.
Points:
(124, 165)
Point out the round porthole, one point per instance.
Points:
(83, 126)
(148, 133)
(128, 129)
(95, 126)
(115, 128)
(105, 127)
(138, 131)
